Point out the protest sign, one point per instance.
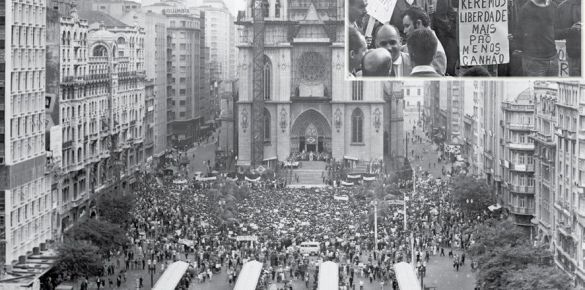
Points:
(381, 9)
(563, 62)
(483, 32)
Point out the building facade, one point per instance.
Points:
(518, 123)
(545, 97)
(26, 197)
(569, 202)
(308, 106)
(220, 37)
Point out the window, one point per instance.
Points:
(357, 91)
(266, 126)
(267, 77)
(357, 120)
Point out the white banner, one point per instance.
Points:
(354, 176)
(369, 178)
(483, 32)
(346, 183)
(253, 180)
(381, 9)
(232, 179)
(395, 202)
(247, 238)
(186, 242)
(341, 197)
(207, 178)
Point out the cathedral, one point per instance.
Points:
(307, 106)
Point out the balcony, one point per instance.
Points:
(521, 210)
(543, 138)
(522, 189)
(564, 133)
(521, 146)
(522, 167)
(516, 126)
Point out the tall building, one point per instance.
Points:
(518, 191)
(292, 92)
(569, 201)
(414, 95)
(220, 37)
(25, 198)
(155, 49)
(545, 99)
(186, 72)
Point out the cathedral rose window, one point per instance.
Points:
(312, 67)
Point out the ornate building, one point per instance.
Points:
(306, 104)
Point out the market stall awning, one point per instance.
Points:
(350, 158)
(270, 158)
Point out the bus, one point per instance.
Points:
(172, 276)
(328, 276)
(249, 276)
(406, 276)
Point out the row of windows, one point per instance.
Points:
(25, 212)
(66, 37)
(28, 191)
(28, 147)
(27, 103)
(31, 14)
(28, 58)
(27, 81)
(26, 125)
(25, 36)
(26, 232)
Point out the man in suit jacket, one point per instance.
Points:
(416, 18)
(388, 37)
(422, 45)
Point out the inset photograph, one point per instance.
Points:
(462, 38)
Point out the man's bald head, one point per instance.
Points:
(388, 37)
(377, 63)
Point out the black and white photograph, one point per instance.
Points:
(388, 39)
(218, 145)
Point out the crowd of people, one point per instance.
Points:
(192, 225)
(421, 43)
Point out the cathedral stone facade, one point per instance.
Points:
(308, 105)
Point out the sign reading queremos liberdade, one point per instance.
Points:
(483, 32)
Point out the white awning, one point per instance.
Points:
(350, 158)
(243, 163)
(270, 158)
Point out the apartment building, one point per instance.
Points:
(545, 97)
(518, 162)
(26, 201)
(569, 199)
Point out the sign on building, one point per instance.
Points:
(483, 32)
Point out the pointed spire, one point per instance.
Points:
(312, 14)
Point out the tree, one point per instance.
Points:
(507, 259)
(78, 258)
(116, 207)
(104, 235)
(535, 277)
(472, 195)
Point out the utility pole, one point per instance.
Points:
(257, 112)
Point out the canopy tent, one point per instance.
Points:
(406, 276)
(328, 276)
(172, 276)
(249, 275)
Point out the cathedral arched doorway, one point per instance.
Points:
(311, 132)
